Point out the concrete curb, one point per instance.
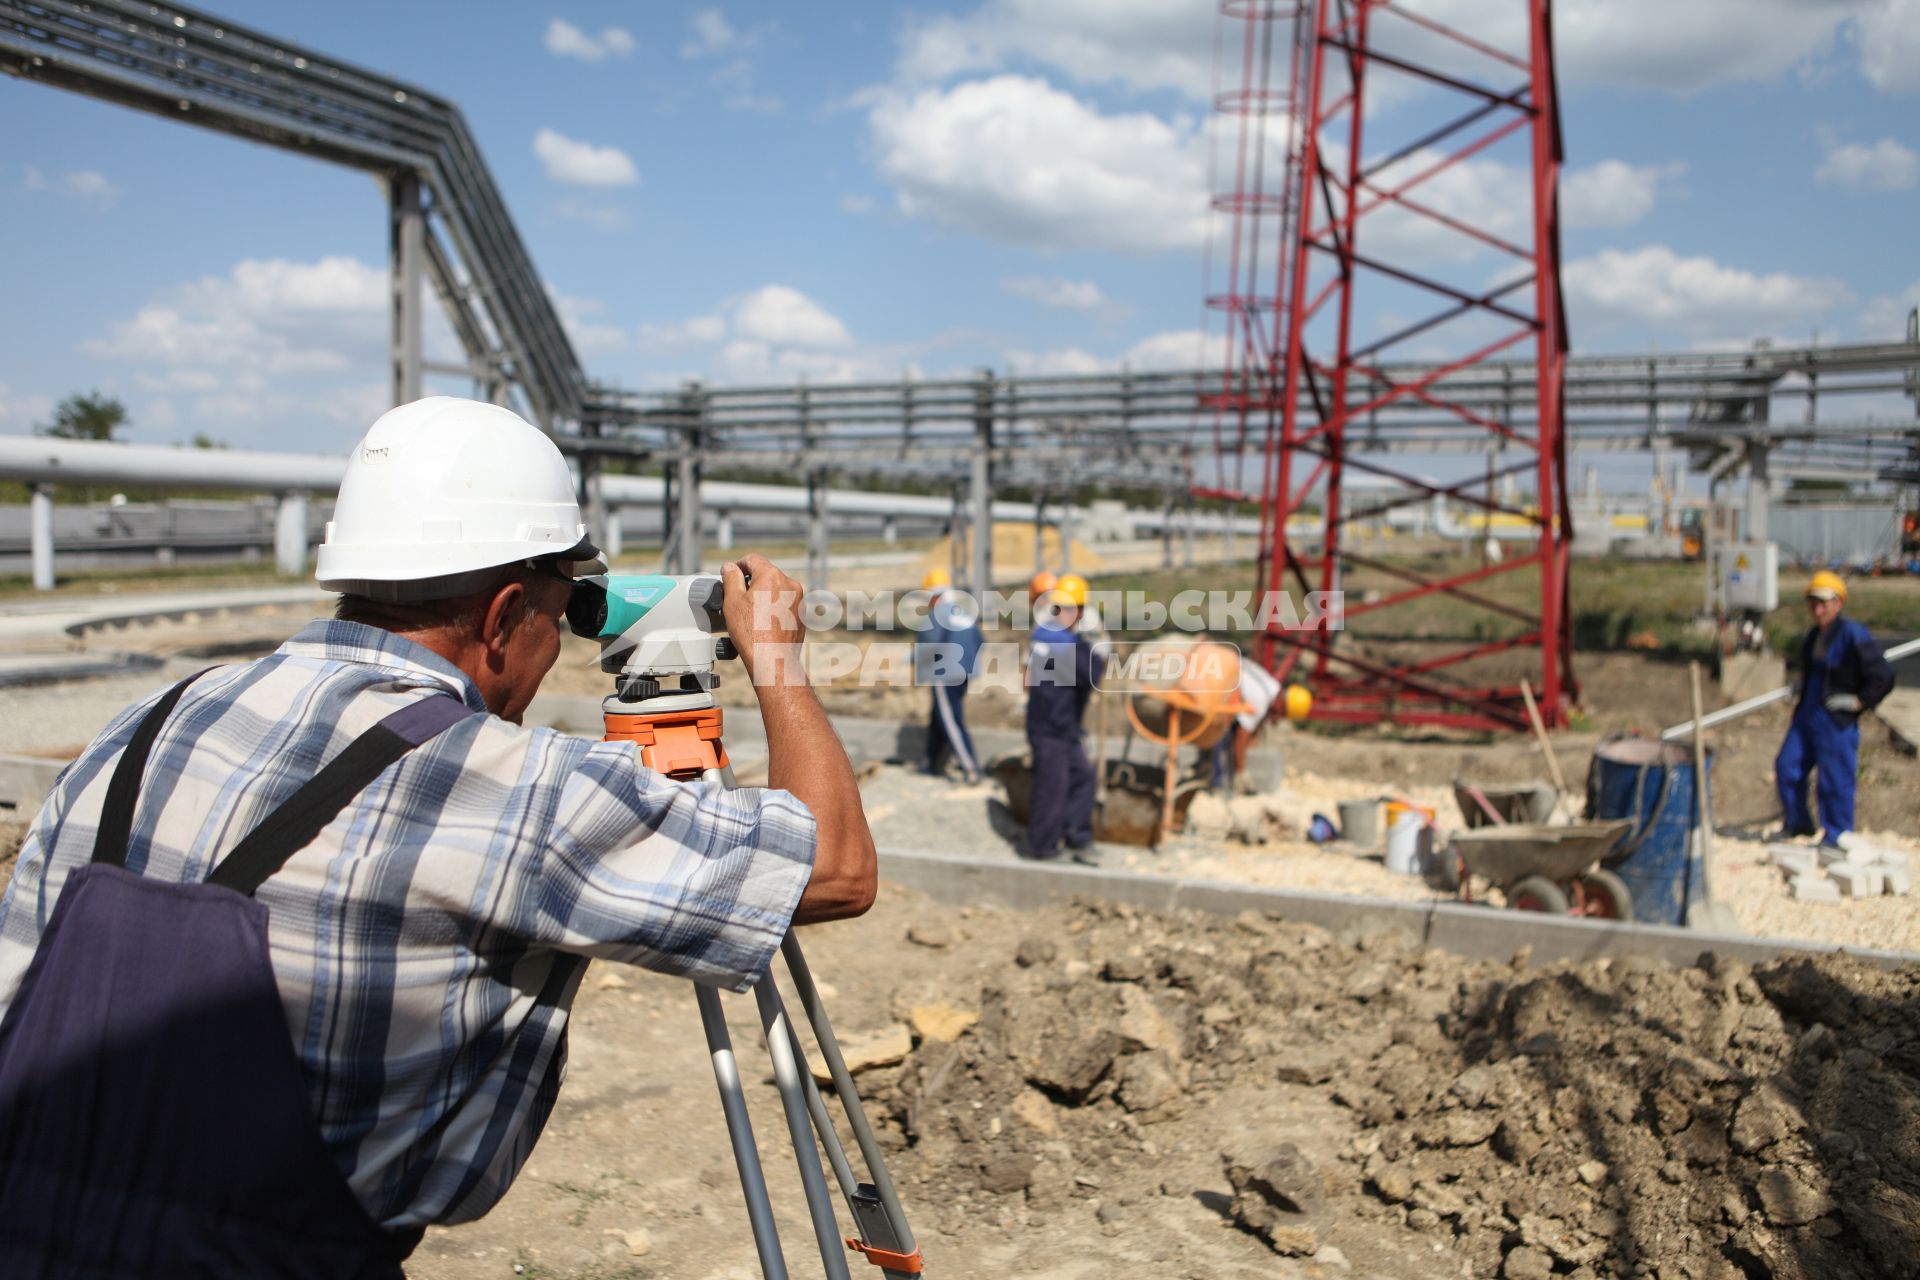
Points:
(25, 781)
(1460, 928)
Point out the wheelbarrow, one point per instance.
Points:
(1542, 868)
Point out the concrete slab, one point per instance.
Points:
(1900, 711)
(1856, 881)
(1814, 888)
(25, 781)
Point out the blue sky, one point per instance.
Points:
(757, 192)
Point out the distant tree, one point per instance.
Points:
(86, 417)
(201, 440)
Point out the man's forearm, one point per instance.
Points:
(804, 757)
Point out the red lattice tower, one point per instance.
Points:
(1306, 374)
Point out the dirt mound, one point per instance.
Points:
(1351, 1101)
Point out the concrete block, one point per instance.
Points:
(1812, 888)
(1794, 859)
(1858, 856)
(1890, 858)
(1897, 881)
(1856, 882)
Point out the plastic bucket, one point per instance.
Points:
(1652, 783)
(1360, 822)
(1407, 841)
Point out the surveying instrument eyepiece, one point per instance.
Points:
(660, 636)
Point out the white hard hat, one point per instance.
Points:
(442, 492)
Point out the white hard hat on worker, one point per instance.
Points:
(444, 492)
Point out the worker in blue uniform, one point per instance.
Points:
(1842, 674)
(946, 656)
(1063, 665)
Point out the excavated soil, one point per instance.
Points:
(1096, 1090)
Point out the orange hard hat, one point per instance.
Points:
(1298, 702)
(1041, 583)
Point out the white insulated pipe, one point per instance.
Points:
(42, 460)
(1759, 700)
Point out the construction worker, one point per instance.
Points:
(287, 960)
(945, 657)
(1063, 665)
(1842, 673)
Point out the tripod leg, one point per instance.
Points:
(786, 1076)
(883, 1189)
(823, 1124)
(753, 1181)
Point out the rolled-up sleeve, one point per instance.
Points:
(692, 879)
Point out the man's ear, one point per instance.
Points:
(505, 611)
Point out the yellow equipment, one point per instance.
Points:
(1825, 583)
(936, 578)
(1298, 702)
(1072, 588)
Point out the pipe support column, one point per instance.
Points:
(406, 260)
(290, 534)
(40, 521)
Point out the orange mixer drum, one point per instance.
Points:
(1201, 680)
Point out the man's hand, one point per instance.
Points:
(762, 607)
(804, 756)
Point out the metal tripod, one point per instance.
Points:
(678, 733)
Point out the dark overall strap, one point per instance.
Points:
(116, 814)
(292, 826)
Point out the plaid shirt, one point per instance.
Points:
(410, 939)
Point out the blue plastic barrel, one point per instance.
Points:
(1652, 783)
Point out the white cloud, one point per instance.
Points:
(1142, 44)
(565, 40)
(1016, 159)
(856, 204)
(1054, 291)
(1647, 44)
(1041, 364)
(603, 217)
(1641, 44)
(1890, 45)
(1655, 286)
(695, 331)
(1885, 165)
(583, 164)
(1884, 319)
(780, 316)
(1613, 193)
(267, 315)
(1177, 349)
(84, 185)
(712, 34)
(590, 334)
(20, 412)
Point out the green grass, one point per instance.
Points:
(1653, 604)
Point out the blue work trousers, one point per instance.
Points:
(1062, 796)
(1816, 744)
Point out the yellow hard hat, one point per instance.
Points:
(936, 578)
(1298, 701)
(1828, 586)
(1072, 588)
(1041, 583)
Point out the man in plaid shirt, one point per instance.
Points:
(426, 943)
